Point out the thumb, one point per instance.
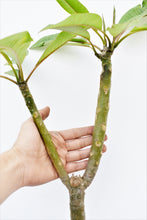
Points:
(44, 112)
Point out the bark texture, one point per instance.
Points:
(100, 120)
(76, 184)
(77, 195)
(44, 134)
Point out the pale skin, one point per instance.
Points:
(28, 164)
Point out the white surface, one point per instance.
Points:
(68, 83)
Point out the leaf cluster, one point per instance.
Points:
(74, 30)
(81, 21)
(14, 50)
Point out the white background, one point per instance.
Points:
(68, 83)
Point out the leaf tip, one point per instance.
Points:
(114, 14)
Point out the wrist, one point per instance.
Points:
(11, 174)
(22, 165)
(16, 167)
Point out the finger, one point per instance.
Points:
(76, 132)
(106, 137)
(77, 155)
(79, 143)
(44, 112)
(80, 154)
(104, 148)
(76, 166)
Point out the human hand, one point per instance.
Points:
(36, 165)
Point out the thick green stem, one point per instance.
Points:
(77, 195)
(100, 121)
(44, 134)
(77, 204)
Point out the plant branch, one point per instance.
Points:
(77, 211)
(10, 63)
(97, 47)
(104, 30)
(127, 35)
(4, 77)
(106, 37)
(93, 48)
(100, 121)
(50, 147)
(103, 41)
(90, 43)
(31, 73)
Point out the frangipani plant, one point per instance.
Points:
(14, 50)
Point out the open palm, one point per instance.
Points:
(37, 166)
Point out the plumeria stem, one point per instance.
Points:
(100, 121)
(44, 134)
(77, 203)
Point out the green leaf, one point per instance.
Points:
(9, 62)
(117, 29)
(11, 72)
(144, 3)
(103, 24)
(141, 28)
(10, 53)
(132, 13)
(129, 20)
(114, 15)
(44, 42)
(74, 29)
(72, 6)
(78, 23)
(60, 40)
(79, 40)
(19, 43)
